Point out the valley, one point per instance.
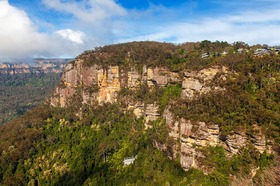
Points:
(24, 86)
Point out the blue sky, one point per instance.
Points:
(65, 28)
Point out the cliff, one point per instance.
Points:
(180, 118)
(104, 83)
(37, 66)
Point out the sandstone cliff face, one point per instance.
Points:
(102, 85)
(192, 135)
(195, 83)
(39, 66)
(108, 82)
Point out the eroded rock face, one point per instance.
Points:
(196, 83)
(69, 82)
(151, 113)
(174, 132)
(109, 82)
(235, 142)
(102, 85)
(134, 79)
(192, 135)
(199, 133)
(95, 83)
(259, 140)
(39, 66)
(188, 157)
(138, 109)
(172, 124)
(157, 77)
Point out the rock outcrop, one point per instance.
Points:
(196, 83)
(39, 66)
(259, 140)
(151, 113)
(100, 85)
(235, 142)
(109, 81)
(192, 135)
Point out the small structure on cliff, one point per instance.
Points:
(129, 160)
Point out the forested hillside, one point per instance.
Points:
(21, 92)
(204, 113)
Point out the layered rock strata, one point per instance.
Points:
(102, 85)
(193, 135)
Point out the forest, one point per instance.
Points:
(56, 146)
(22, 92)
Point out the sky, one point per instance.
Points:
(65, 28)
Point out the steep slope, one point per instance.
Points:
(106, 83)
(184, 119)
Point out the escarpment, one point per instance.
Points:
(143, 88)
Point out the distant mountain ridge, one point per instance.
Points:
(38, 65)
(25, 83)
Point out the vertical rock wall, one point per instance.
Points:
(192, 135)
(102, 85)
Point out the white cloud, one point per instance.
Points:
(19, 37)
(17, 31)
(96, 22)
(88, 11)
(249, 26)
(255, 16)
(74, 36)
(99, 20)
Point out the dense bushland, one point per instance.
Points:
(21, 92)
